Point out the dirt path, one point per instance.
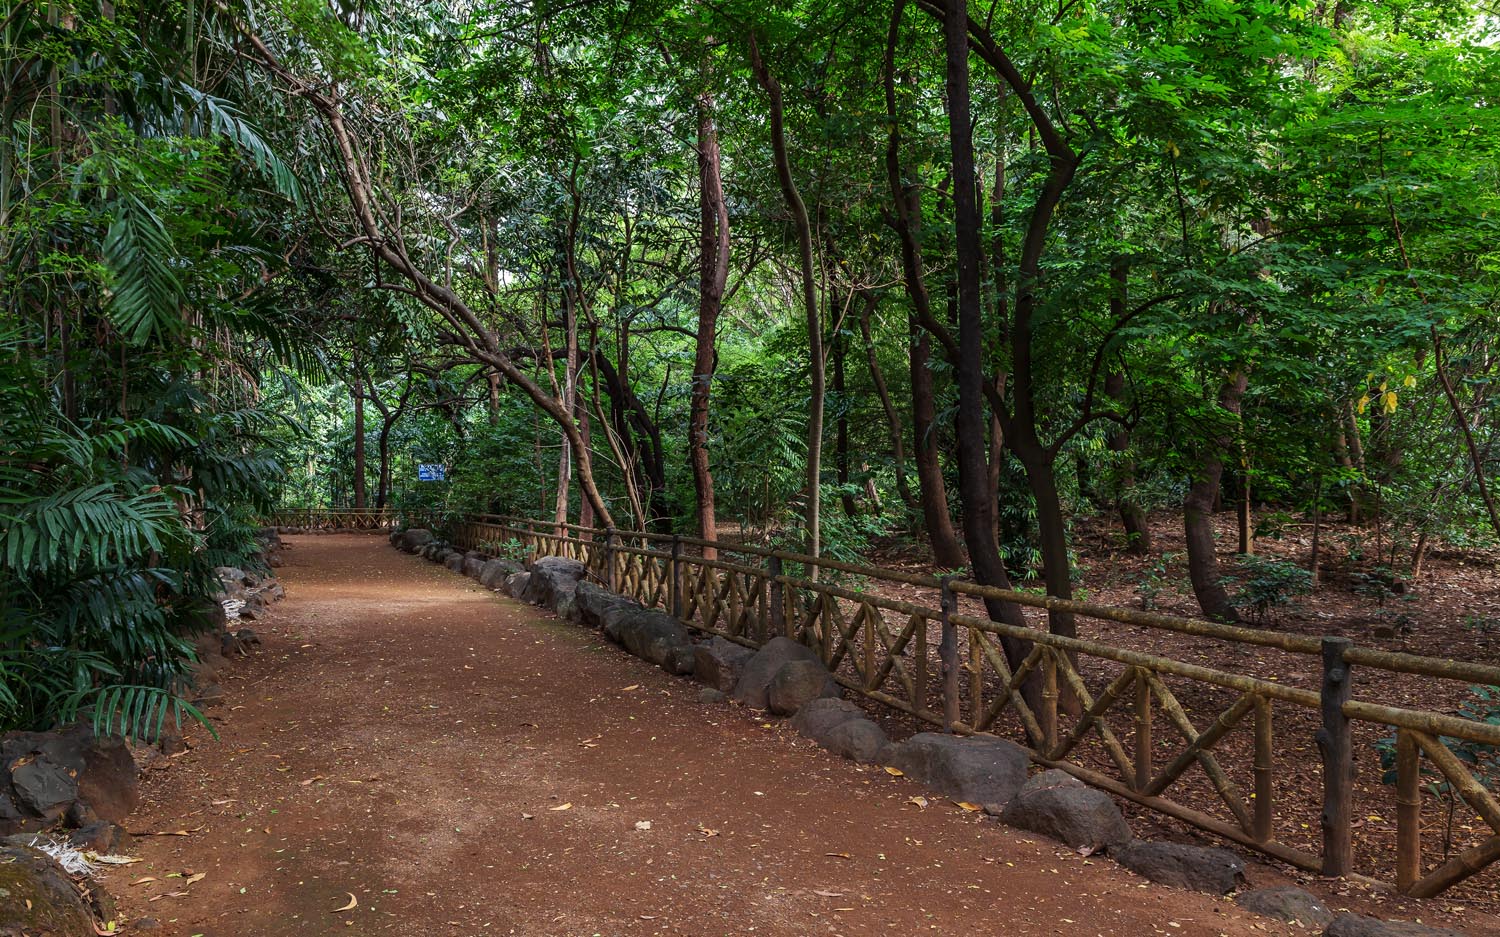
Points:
(463, 764)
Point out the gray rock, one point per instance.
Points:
(515, 584)
(100, 836)
(97, 772)
(39, 897)
(411, 539)
(798, 683)
(1199, 868)
(859, 740)
(473, 566)
(1286, 903)
(552, 576)
(755, 680)
(1083, 818)
(719, 663)
(652, 636)
(1357, 925)
(820, 716)
(594, 602)
(495, 572)
(454, 561)
(976, 769)
(709, 695)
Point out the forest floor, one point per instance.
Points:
(458, 763)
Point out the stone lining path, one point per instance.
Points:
(464, 764)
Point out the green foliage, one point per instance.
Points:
(1266, 585)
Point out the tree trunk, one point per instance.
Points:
(803, 227)
(946, 551)
(1197, 510)
(359, 446)
(892, 418)
(713, 272)
(973, 462)
(841, 429)
(1132, 516)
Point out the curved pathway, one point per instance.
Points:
(464, 764)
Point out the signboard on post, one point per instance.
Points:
(432, 472)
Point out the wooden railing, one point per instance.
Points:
(1108, 715)
(319, 519)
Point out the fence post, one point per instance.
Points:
(1336, 745)
(777, 599)
(609, 559)
(674, 578)
(948, 654)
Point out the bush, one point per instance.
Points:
(1266, 584)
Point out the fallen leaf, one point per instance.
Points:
(966, 805)
(894, 772)
(838, 855)
(112, 860)
(144, 880)
(526, 816)
(195, 877)
(353, 903)
(919, 801)
(706, 831)
(566, 806)
(310, 780)
(643, 825)
(828, 894)
(633, 686)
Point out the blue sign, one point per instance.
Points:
(432, 472)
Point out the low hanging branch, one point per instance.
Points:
(480, 342)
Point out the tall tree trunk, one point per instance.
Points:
(1132, 515)
(973, 462)
(581, 414)
(946, 551)
(906, 218)
(383, 487)
(713, 273)
(841, 429)
(816, 390)
(1197, 509)
(892, 418)
(359, 445)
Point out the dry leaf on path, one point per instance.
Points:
(195, 877)
(828, 894)
(144, 880)
(919, 801)
(894, 772)
(353, 903)
(643, 825)
(566, 806)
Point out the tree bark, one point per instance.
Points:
(841, 429)
(973, 462)
(803, 226)
(1197, 509)
(359, 446)
(713, 273)
(892, 418)
(1132, 516)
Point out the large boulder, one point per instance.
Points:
(975, 769)
(51, 771)
(38, 897)
(454, 561)
(1199, 868)
(494, 573)
(754, 684)
(1058, 805)
(842, 727)
(515, 583)
(411, 539)
(593, 602)
(1357, 925)
(652, 636)
(798, 683)
(718, 663)
(551, 578)
(473, 566)
(1286, 903)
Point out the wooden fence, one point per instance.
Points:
(1112, 716)
(315, 519)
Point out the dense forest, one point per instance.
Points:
(825, 275)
